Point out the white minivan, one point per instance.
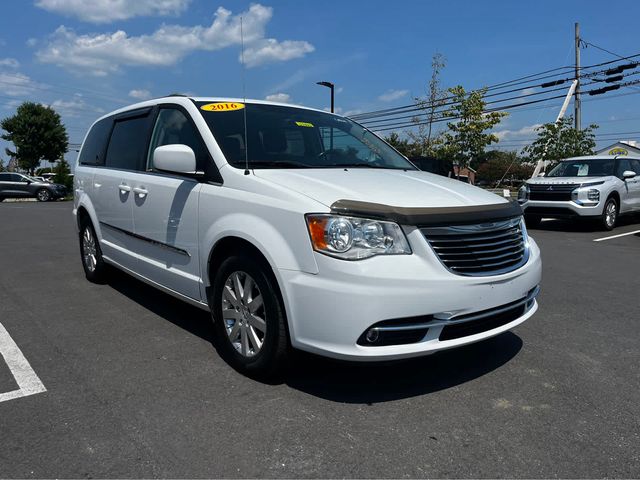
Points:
(299, 228)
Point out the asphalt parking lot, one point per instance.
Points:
(135, 389)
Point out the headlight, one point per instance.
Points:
(353, 238)
(593, 195)
(523, 193)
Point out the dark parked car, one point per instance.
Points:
(18, 185)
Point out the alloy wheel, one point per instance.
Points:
(243, 313)
(89, 251)
(610, 214)
(43, 195)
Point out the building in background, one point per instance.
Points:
(621, 147)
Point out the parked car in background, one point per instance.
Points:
(591, 187)
(18, 185)
(296, 227)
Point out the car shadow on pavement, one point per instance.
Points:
(181, 314)
(368, 383)
(339, 381)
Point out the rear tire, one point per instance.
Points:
(609, 214)
(91, 254)
(43, 195)
(249, 318)
(532, 221)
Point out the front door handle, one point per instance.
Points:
(124, 188)
(141, 191)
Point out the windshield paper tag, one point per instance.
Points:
(304, 124)
(222, 107)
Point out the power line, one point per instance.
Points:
(425, 105)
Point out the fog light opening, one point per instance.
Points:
(372, 335)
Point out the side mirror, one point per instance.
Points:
(628, 174)
(174, 158)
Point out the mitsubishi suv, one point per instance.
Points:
(300, 229)
(600, 188)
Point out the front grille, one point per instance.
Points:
(552, 193)
(480, 249)
(550, 211)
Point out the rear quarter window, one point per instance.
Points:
(92, 152)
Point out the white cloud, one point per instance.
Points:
(100, 54)
(9, 62)
(524, 132)
(17, 84)
(74, 107)
(279, 97)
(528, 91)
(102, 11)
(140, 94)
(392, 95)
(32, 42)
(269, 50)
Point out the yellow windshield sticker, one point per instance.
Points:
(304, 124)
(222, 107)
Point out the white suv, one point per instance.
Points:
(595, 187)
(299, 228)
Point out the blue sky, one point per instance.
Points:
(86, 58)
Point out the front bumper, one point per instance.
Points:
(567, 209)
(329, 312)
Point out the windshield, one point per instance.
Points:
(584, 168)
(289, 137)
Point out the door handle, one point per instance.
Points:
(141, 191)
(124, 188)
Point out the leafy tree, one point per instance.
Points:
(435, 99)
(561, 140)
(2, 167)
(403, 145)
(499, 166)
(467, 136)
(63, 174)
(37, 133)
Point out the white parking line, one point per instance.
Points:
(27, 380)
(616, 236)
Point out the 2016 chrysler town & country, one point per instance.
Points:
(299, 228)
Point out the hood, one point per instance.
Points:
(563, 180)
(389, 187)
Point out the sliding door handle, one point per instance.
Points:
(141, 191)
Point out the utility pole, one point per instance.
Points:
(576, 100)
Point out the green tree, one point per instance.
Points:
(497, 166)
(561, 140)
(63, 174)
(403, 145)
(37, 133)
(467, 137)
(436, 98)
(2, 167)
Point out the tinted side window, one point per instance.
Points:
(635, 166)
(5, 177)
(128, 144)
(93, 148)
(174, 127)
(623, 165)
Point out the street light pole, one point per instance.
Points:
(331, 86)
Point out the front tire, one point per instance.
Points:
(532, 221)
(609, 214)
(43, 195)
(249, 318)
(91, 253)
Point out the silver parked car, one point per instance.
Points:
(596, 187)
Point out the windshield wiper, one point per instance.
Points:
(277, 164)
(361, 165)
